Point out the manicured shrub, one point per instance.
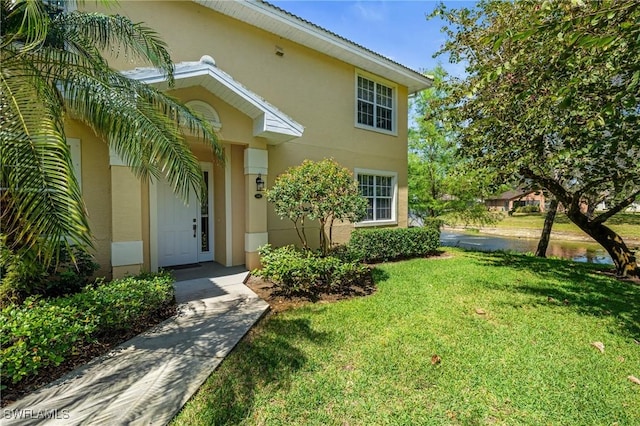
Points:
(303, 272)
(383, 244)
(528, 209)
(43, 332)
(40, 333)
(118, 304)
(24, 274)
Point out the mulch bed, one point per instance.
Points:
(279, 303)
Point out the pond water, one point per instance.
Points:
(575, 250)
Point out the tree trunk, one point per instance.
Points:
(546, 230)
(623, 258)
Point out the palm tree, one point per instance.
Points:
(52, 69)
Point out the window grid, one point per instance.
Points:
(375, 104)
(378, 190)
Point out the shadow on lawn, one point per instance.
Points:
(267, 358)
(587, 288)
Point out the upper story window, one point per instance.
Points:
(375, 104)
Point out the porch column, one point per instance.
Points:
(256, 162)
(126, 220)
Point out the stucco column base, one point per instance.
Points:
(127, 270)
(252, 260)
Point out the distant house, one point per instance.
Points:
(511, 200)
(633, 207)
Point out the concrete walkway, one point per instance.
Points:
(147, 379)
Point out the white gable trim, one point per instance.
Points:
(268, 121)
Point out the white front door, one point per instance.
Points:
(184, 229)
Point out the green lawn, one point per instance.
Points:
(625, 224)
(513, 333)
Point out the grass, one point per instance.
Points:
(527, 359)
(626, 225)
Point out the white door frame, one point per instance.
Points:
(153, 221)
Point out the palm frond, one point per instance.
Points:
(28, 23)
(118, 34)
(37, 180)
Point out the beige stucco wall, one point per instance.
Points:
(314, 89)
(96, 191)
(238, 204)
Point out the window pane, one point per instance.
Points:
(366, 89)
(369, 209)
(384, 96)
(383, 118)
(383, 209)
(365, 113)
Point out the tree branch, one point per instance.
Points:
(550, 184)
(623, 204)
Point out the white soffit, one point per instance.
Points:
(268, 121)
(278, 21)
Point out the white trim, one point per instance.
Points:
(383, 82)
(394, 198)
(153, 225)
(153, 220)
(228, 209)
(126, 253)
(208, 112)
(288, 26)
(254, 240)
(115, 160)
(268, 121)
(256, 161)
(75, 149)
(210, 255)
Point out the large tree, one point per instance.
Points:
(552, 98)
(53, 70)
(440, 182)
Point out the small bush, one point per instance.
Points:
(43, 332)
(24, 274)
(380, 245)
(40, 333)
(528, 209)
(298, 272)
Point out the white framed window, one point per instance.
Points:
(76, 158)
(375, 103)
(380, 188)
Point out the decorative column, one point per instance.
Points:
(256, 164)
(126, 220)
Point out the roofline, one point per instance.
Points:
(292, 27)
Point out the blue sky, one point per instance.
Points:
(397, 29)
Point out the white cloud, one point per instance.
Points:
(369, 11)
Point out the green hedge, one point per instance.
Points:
(528, 209)
(43, 332)
(384, 244)
(298, 272)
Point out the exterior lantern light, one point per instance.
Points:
(259, 185)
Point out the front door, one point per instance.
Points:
(184, 229)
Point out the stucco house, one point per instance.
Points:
(510, 200)
(279, 90)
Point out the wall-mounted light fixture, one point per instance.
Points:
(259, 185)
